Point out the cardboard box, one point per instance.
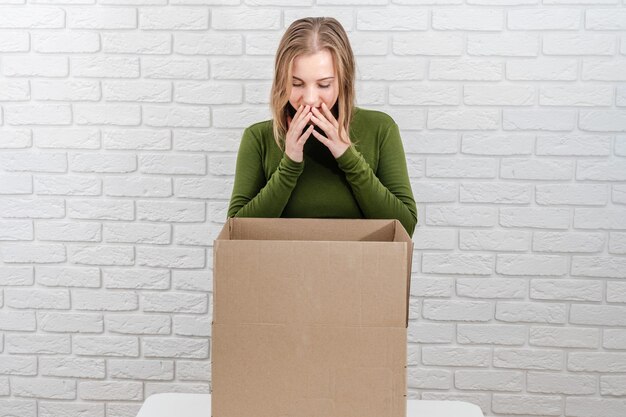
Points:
(310, 317)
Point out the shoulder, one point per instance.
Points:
(260, 129)
(370, 118)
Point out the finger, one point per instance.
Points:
(329, 115)
(305, 136)
(303, 121)
(303, 111)
(289, 119)
(320, 137)
(323, 124)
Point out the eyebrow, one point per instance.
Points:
(321, 79)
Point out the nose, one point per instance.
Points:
(310, 97)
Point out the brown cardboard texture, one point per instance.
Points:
(309, 318)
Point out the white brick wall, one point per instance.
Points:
(119, 127)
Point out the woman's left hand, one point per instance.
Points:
(327, 122)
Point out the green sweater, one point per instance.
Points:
(369, 180)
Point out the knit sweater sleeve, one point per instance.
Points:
(253, 195)
(386, 193)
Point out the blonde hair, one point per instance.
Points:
(308, 36)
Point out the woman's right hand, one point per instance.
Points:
(296, 138)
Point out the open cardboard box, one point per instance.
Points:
(310, 317)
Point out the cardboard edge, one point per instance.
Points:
(401, 235)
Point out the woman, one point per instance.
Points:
(320, 156)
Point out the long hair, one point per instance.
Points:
(308, 36)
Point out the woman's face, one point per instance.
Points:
(314, 81)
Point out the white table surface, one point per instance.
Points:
(198, 405)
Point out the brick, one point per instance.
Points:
(527, 404)
(172, 302)
(423, 332)
(70, 323)
(101, 209)
(101, 255)
(115, 346)
(67, 409)
(533, 169)
(435, 239)
(222, 164)
(614, 339)
(17, 90)
(155, 347)
(110, 390)
(122, 409)
(568, 242)
(136, 139)
(187, 116)
(172, 164)
(616, 292)
(466, 264)
(15, 41)
(15, 138)
(96, 114)
(392, 19)
(531, 264)
(69, 231)
(215, 43)
(503, 44)
(467, 19)
(605, 19)
(67, 138)
(603, 121)
(171, 257)
(491, 334)
(67, 185)
(497, 193)
(246, 19)
(496, 144)
(434, 44)
(574, 290)
(16, 229)
(194, 235)
(37, 299)
(619, 194)
(573, 44)
(543, 19)
(573, 144)
(72, 367)
(137, 43)
(67, 276)
(35, 66)
(617, 244)
(594, 218)
(603, 69)
(542, 69)
(22, 408)
(550, 120)
(137, 187)
(548, 383)
(193, 325)
(118, 163)
(494, 95)
(590, 266)
(70, 42)
(175, 68)
(18, 275)
(599, 315)
(16, 365)
(142, 91)
(592, 407)
(612, 385)
(139, 324)
(489, 380)
(596, 362)
(601, 170)
(191, 92)
(181, 387)
(528, 359)
(231, 117)
(45, 208)
(464, 119)
(136, 278)
(458, 310)
(587, 96)
(465, 168)
(18, 320)
(192, 280)
(58, 389)
(202, 188)
(39, 18)
(564, 337)
(429, 378)
(171, 211)
(37, 344)
(36, 162)
(445, 193)
(96, 300)
(105, 67)
(455, 356)
(524, 312)
(491, 288)
(405, 94)
(193, 371)
(575, 194)
(153, 370)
